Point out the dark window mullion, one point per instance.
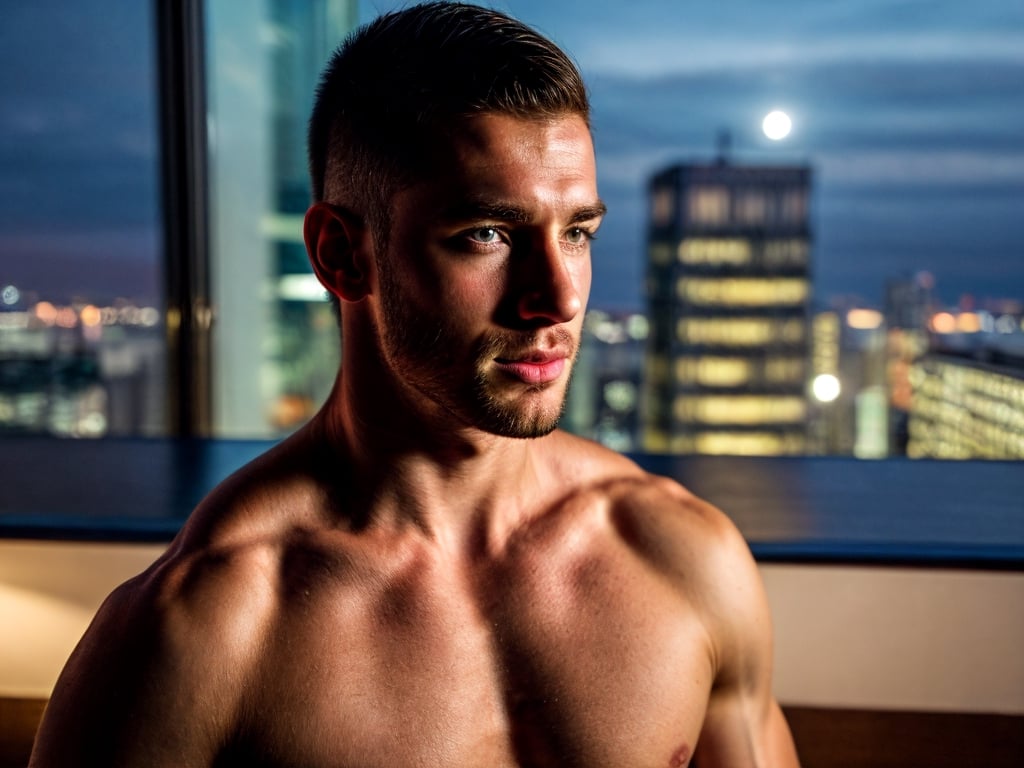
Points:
(180, 51)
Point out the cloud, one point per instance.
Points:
(968, 116)
(916, 163)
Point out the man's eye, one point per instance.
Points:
(577, 235)
(484, 235)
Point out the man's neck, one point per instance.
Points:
(463, 487)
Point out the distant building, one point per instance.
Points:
(82, 370)
(728, 285)
(604, 399)
(908, 307)
(969, 398)
(908, 301)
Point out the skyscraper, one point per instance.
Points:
(728, 285)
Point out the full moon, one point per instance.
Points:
(776, 125)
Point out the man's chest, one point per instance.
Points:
(572, 668)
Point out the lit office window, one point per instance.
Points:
(714, 371)
(794, 206)
(699, 251)
(780, 254)
(740, 332)
(739, 409)
(752, 207)
(724, 443)
(708, 205)
(785, 370)
(662, 203)
(660, 253)
(743, 292)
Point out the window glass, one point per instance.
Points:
(82, 350)
(810, 201)
(799, 195)
(275, 338)
(811, 212)
(821, 201)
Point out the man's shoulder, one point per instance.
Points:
(219, 576)
(193, 621)
(659, 519)
(629, 489)
(214, 598)
(272, 490)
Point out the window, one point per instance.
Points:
(709, 205)
(894, 235)
(82, 350)
(716, 252)
(752, 207)
(906, 213)
(867, 302)
(743, 292)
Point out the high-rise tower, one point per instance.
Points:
(728, 285)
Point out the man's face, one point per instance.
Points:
(486, 274)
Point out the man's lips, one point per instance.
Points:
(536, 368)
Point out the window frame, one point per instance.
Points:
(189, 313)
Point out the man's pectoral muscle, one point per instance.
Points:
(607, 633)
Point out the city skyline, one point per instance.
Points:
(911, 114)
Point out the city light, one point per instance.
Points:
(300, 288)
(943, 322)
(825, 388)
(46, 312)
(968, 322)
(864, 319)
(91, 316)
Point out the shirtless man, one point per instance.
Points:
(429, 573)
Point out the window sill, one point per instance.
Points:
(798, 510)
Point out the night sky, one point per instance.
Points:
(910, 113)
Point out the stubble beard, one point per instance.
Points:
(421, 348)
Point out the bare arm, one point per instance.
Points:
(154, 681)
(744, 725)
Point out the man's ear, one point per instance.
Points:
(336, 241)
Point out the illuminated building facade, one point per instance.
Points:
(969, 406)
(728, 286)
(81, 370)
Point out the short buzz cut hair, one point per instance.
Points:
(397, 86)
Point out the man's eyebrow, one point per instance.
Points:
(499, 211)
(588, 212)
(468, 210)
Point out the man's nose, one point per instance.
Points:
(550, 283)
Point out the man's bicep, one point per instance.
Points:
(743, 725)
(740, 732)
(121, 699)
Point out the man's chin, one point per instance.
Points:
(532, 431)
(512, 420)
(519, 411)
